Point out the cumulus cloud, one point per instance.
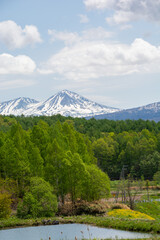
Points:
(16, 65)
(13, 36)
(70, 38)
(83, 18)
(127, 10)
(96, 59)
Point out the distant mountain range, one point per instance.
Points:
(147, 112)
(68, 103)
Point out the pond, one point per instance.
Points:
(67, 232)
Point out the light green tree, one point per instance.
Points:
(96, 184)
(39, 201)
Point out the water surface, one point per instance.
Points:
(67, 232)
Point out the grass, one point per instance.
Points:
(153, 238)
(108, 222)
(150, 208)
(118, 223)
(16, 222)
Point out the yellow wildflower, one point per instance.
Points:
(127, 213)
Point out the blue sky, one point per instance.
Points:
(105, 50)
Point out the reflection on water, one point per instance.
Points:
(67, 231)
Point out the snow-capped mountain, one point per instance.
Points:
(66, 103)
(16, 106)
(147, 112)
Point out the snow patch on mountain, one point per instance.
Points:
(16, 106)
(66, 103)
(147, 112)
(153, 106)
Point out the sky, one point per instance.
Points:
(105, 50)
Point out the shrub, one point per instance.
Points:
(83, 207)
(5, 205)
(39, 201)
(119, 206)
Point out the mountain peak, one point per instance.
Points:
(65, 91)
(65, 102)
(16, 106)
(68, 103)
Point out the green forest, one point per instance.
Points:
(45, 159)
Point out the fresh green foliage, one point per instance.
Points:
(39, 201)
(132, 143)
(5, 205)
(58, 156)
(74, 156)
(150, 208)
(96, 185)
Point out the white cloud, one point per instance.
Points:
(95, 34)
(70, 38)
(66, 37)
(83, 18)
(16, 65)
(97, 59)
(18, 83)
(121, 17)
(127, 10)
(13, 36)
(125, 26)
(99, 4)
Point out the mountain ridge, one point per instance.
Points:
(68, 103)
(65, 102)
(147, 112)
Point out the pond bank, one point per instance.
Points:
(107, 222)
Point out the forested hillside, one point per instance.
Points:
(111, 144)
(43, 159)
(135, 143)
